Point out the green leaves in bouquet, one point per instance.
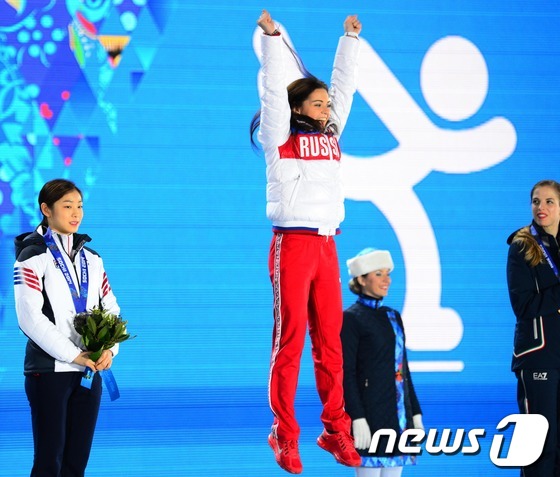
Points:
(100, 330)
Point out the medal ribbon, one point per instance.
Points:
(537, 237)
(79, 299)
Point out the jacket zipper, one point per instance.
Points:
(535, 331)
(537, 285)
(295, 191)
(72, 261)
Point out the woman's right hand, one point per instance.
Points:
(266, 23)
(352, 24)
(83, 360)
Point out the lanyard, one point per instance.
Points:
(80, 299)
(545, 251)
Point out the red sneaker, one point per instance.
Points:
(341, 445)
(286, 454)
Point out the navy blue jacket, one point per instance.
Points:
(534, 294)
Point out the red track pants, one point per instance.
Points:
(306, 285)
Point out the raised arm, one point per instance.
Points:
(275, 109)
(343, 79)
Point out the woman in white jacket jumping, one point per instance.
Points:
(300, 124)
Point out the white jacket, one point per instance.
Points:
(44, 305)
(304, 189)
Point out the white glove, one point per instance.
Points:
(362, 434)
(417, 421)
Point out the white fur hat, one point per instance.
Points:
(368, 260)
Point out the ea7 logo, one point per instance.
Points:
(540, 377)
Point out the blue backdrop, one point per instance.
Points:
(146, 106)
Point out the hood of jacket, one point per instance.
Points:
(36, 239)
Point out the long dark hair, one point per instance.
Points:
(52, 191)
(298, 91)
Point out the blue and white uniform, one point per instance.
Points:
(63, 412)
(44, 305)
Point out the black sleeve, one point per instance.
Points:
(414, 403)
(350, 337)
(529, 296)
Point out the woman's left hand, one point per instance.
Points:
(266, 23)
(417, 421)
(352, 24)
(105, 360)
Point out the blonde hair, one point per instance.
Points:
(533, 253)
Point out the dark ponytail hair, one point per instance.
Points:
(54, 190)
(354, 286)
(298, 91)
